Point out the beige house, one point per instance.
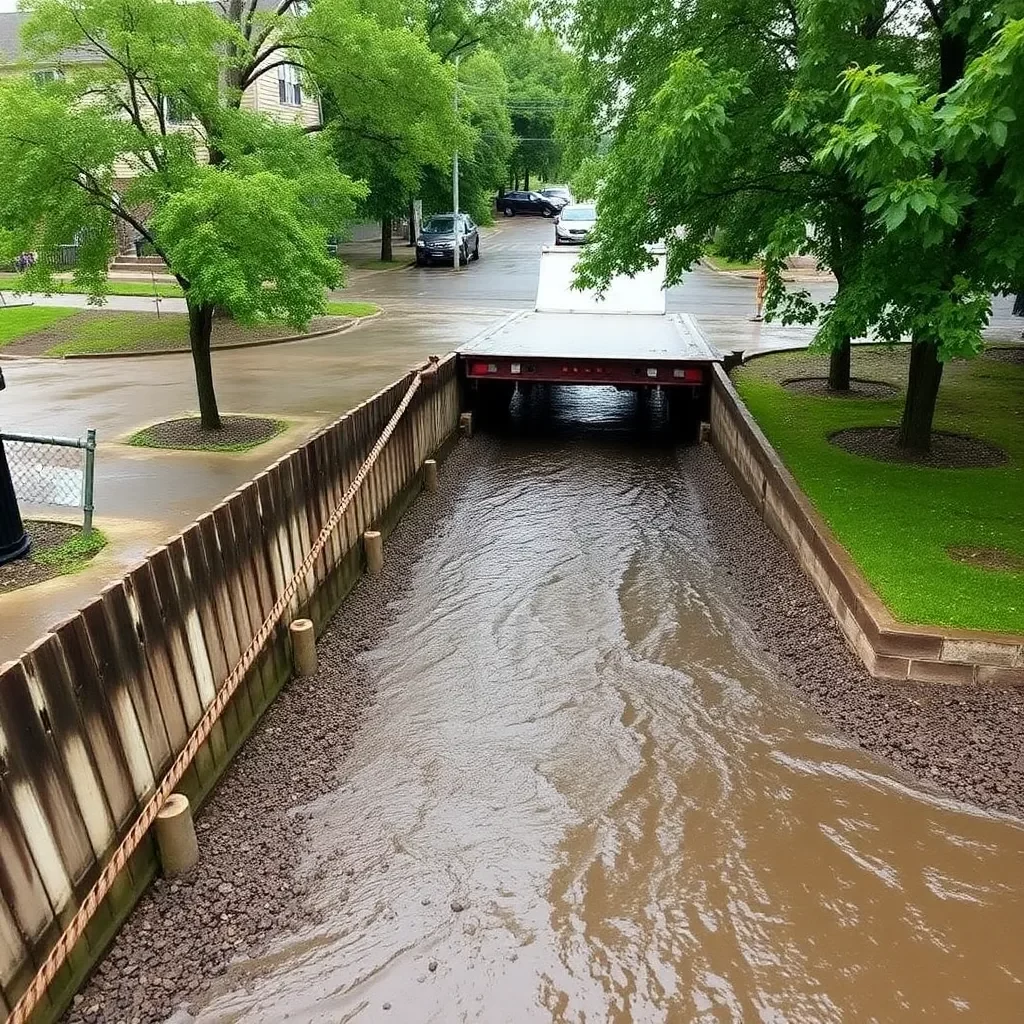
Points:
(279, 92)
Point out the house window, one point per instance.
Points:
(289, 89)
(176, 110)
(47, 75)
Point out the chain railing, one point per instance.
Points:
(53, 470)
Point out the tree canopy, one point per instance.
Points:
(239, 206)
(876, 135)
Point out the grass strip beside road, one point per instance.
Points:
(51, 331)
(73, 554)
(142, 289)
(353, 309)
(125, 332)
(17, 321)
(899, 521)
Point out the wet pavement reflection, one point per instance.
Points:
(578, 741)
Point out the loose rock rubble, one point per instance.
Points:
(968, 741)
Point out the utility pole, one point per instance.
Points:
(455, 171)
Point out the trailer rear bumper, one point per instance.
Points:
(620, 373)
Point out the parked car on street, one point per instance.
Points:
(436, 241)
(512, 203)
(558, 192)
(575, 223)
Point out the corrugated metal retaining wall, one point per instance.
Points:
(95, 712)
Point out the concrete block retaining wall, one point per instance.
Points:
(93, 714)
(888, 649)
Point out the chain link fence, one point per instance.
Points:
(53, 471)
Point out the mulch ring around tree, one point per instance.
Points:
(948, 451)
(25, 572)
(817, 387)
(119, 331)
(1009, 354)
(992, 559)
(237, 433)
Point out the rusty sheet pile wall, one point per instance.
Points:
(93, 714)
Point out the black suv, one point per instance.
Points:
(437, 240)
(512, 203)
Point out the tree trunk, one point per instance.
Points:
(386, 254)
(839, 367)
(200, 330)
(526, 179)
(922, 392)
(412, 223)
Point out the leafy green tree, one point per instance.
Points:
(727, 103)
(537, 66)
(939, 159)
(457, 28)
(238, 206)
(389, 102)
(483, 160)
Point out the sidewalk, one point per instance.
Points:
(126, 303)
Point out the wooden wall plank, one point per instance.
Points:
(113, 690)
(51, 818)
(193, 674)
(50, 685)
(196, 580)
(122, 781)
(131, 669)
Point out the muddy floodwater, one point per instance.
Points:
(577, 741)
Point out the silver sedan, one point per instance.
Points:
(575, 223)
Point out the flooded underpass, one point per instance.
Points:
(583, 794)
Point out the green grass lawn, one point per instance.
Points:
(356, 309)
(16, 321)
(403, 258)
(73, 555)
(125, 332)
(133, 332)
(139, 288)
(720, 262)
(899, 521)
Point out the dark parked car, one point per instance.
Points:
(437, 240)
(558, 192)
(512, 203)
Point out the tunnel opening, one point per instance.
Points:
(658, 415)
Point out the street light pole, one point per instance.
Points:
(455, 171)
(14, 542)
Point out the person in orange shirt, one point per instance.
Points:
(759, 291)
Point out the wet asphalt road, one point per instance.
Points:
(142, 496)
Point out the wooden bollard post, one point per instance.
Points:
(373, 545)
(303, 647)
(176, 836)
(466, 424)
(430, 475)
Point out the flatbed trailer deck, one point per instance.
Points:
(623, 339)
(591, 348)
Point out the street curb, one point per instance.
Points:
(262, 343)
(750, 275)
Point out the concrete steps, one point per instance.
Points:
(145, 264)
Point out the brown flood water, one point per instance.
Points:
(577, 738)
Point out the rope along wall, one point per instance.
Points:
(59, 954)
